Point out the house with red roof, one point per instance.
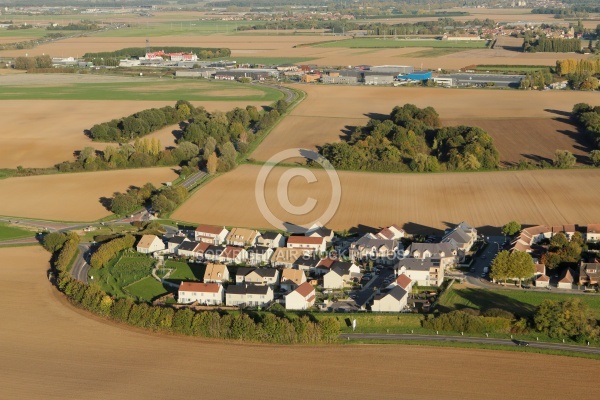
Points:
(211, 294)
(308, 244)
(403, 281)
(302, 298)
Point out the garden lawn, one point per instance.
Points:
(129, 268)
(185, 272)
(147, 289)
(519, 302)
(9, 232)
(369, 43)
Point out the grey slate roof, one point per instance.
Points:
(247, 289)
(417, 264)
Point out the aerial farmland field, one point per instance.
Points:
(424, 202)
(72, 197)
(521, 122)
(130, 368)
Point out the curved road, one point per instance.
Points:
(465, 339)
(80, 267)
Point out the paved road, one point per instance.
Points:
(464, 339)
(192, 179)
(80, 266)
(371, 287)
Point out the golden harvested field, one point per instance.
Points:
(72, 197)
(52, 351)
(423, 201)
(245, 45)
(327, 110)
(42, 133)
(532, 139)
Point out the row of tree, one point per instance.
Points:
(552, 45)
(109, 250)
(512, 265)
(143, 122)
(82, 26)
(162, 201)
(63, 247)
(411, 140)
(537, 80)
(266, 327)
(470, 322)
(588, 117)
(111, 58)
(29, 63)
(563, 252)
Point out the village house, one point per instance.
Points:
(285, 257)
(271, 239)
(566, 280)
(462, 238)
(324, 265)
(372, 248)
(589, 273)
(423, 272)
(259, 255)
(211, 234)
(592, 233)
(211, 294)
(248, 295)
(542, 281)
(175, 242)
(340, 275)
(242, 237)
(392, 232)
(186, 249)
(302, 298)
(234, 255)
(442, 253)
(148, 244)
(291, 279)
(240, 274)
(263, 276)
(393, 301)
(319, 231)
(200, 250)
(403, 281)
(217, 273)
(307, 262)
(307, 244)
(213, 253)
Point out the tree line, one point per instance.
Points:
(29, 63)
(143, 122)
(569, 319)
(109, 250)
(83, 26)
(411, 139)
(63, 247)
(112, 58)
(564, 252)
(162, 201)
(512, 265)
(266, 327)
(588, 117)
(551, 45)
(581, 74)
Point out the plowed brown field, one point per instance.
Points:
(328, 110)
(72, 197)
(41, 133)
(422, 201)
(533, 139)
(52, 351)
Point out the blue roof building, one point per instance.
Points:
(416, 76)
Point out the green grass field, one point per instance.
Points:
(521, 69)
(147, 289)
(184, 271)
(8, 232)
(166, 89)
(28, 33)
(129, 268)
(519, 302)
(150, 28)
(363, 43)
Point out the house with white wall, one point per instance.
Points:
(393, 301)
(302, 298)
(211, 234)
(148, 244)
(217, 273)
(211, 294)
(249, 295)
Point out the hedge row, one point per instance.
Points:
(109, 250)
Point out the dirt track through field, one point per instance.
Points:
(72, 197)
(52, 351)
(330, 111)
(420, 202)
